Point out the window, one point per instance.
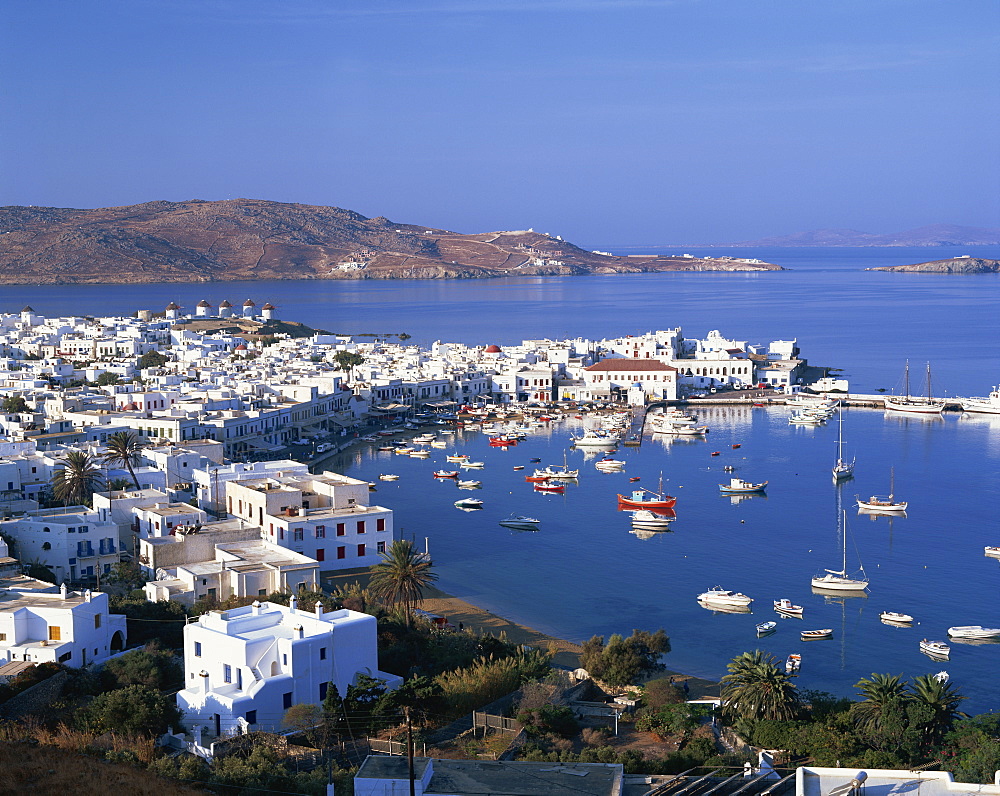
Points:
(341, 552)
(320, 554)
(55, 633)
(322, 691)
(361, 526)
(320, 531)
(197, 649)
(3, 636)
(297, 535)
(251, 717)
(71, 530)
(380, 524)
(84, 529)
(66, 656)
(227, 673)
(361, 551)
(97, 621)
(380, 547)
(286, 700)
(341, 529)
(322, 653)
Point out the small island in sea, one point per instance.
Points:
(954, 265)
(252, 239)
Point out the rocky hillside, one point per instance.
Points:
(956, 265)
(199, 241)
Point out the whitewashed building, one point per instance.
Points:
(245, 667)
(74, 628)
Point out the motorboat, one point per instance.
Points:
(989, 405)
(737, 486)
(837, 579)
(519, 523)
(595, 439)
(650, 521)
(502, 442)
(814, 635)
(446, 473)
(473, 465)
(974, 631)
(420, 454)
(469, 484)
(610, 465)
(469, 503)
(936, 649)
(645, 499)
(457, 457)
(766, 627)
(719, 596)
(896, 618)
(388, 477)
(992, 552)
(438, 443)
(802, 419)
(909, 403)
(793, 663)
(787, 607)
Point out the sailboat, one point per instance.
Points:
(837, 580)
(887, 503)
(908, 403)
(842, 470)
(645, 499)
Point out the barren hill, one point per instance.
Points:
(954, 265)
(240, 239)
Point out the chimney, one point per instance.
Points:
(63, 591)
(299, 632)
(319, 610)
(204, 681)
(292, 603)
(87, 595)
(256, 608)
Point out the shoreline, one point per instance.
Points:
(479, 621)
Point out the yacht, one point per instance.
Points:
(719, 596)
(973, 631)
(989, 405)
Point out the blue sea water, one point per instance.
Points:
(585, 573)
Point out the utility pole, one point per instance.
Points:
(409, 753)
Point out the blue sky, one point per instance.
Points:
(607, 122)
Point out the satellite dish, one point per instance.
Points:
(853, 787)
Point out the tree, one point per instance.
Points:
(106, 379)
(14, 404)
(152, 359)
(399, 579)
(127, 574)
(942, 699)
(135, 709)
(756, 688)
(124, 448)
(883, 694)
(76, 481)
(348, 361)
(151, 666)
(622, 660)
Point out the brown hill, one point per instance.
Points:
(240, 239)
(954, 265)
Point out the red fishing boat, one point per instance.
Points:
(646, 499)
(550, 488)
(536, 479)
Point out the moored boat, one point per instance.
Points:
(813, 635)
(766, 627)
(469, 503)
(738, 486)
(974, 631)
(909, 403)
(936, 649)
(887, 503)
(470, 484)
(989, 405)
(519, 523)
(896, 618)
(787, 607)
(837, 579)
(719, 596)
(650, 521)
(446, 473)
(992, 552)
(646, 499)
(793, 663)
(547, 487)
(388, 477)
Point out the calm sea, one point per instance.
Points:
(585, 573)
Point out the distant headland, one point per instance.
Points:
(954, 265)
(253, 239)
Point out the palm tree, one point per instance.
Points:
(123, 447)
(756, 688)
(76, 481)
(942, 699)
(885, 699)
(400, 577)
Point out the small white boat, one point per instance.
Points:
(457, 457)
(737, 486)
(419, 454)
(973, 631)
(519, 523)
(936, 649)
(439, 443)
(610, 465)
(787, 607)
(470, 484)
(473, 465)
(595, 439)
(469, 503)
(719, 596)
(388, 477)
(766, 627)
(992, 552)
(896, 618)
(813, 635)
(446, 473)
(793, 663)
(838, 579)
(650, 521)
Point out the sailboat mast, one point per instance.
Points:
(843, 535)
(906, 379)
(928, 381)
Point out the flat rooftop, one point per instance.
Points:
(813, 781)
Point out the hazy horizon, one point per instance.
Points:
(623, 120)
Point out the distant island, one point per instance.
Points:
(931, 235)
(954, 265)
(253, 239)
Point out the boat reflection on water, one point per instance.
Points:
(974, 642)
(836, 596)
(735, 500)
(646, 533)
(874, 514)
(715, 608)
